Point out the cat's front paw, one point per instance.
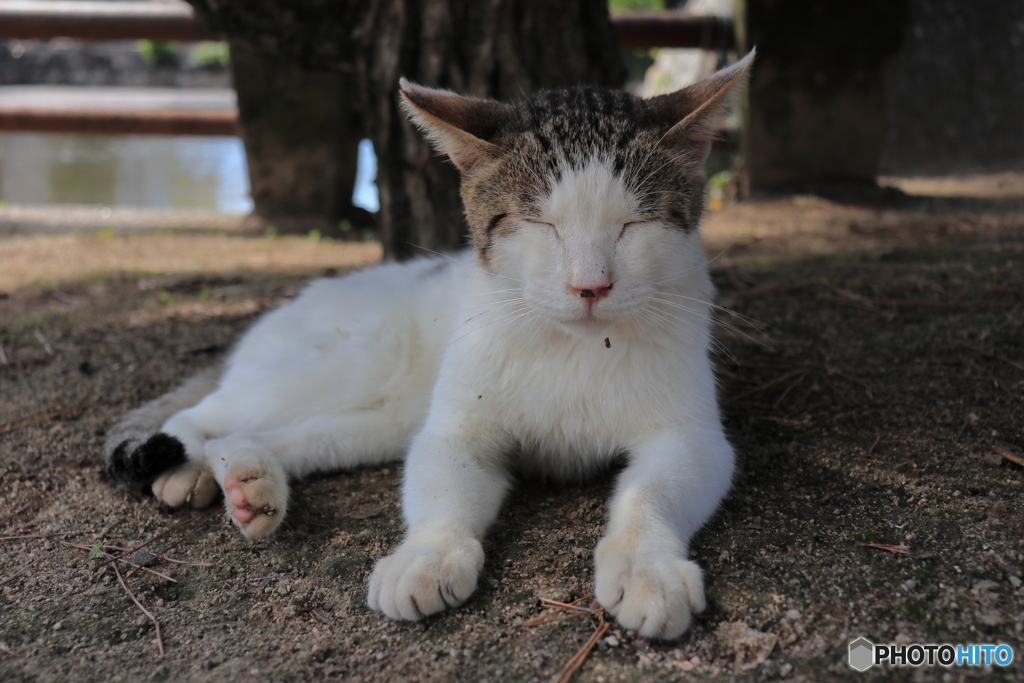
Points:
(652, 593)
(430, 572)
(191, 483)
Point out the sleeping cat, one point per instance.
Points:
(575, 331)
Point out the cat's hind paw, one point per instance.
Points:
(256, 497)
(192, 484)
(654, 596)
(430, 572)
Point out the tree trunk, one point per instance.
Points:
(818, 101)
(301, 139)
(492, 48)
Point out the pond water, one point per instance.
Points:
(181, 172)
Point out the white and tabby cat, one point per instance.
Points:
(575, 331)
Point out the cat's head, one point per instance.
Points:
(590, 199)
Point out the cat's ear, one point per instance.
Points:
(457, 126)
(692, 115)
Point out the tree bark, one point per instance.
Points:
(301, 140)
(493, 48)
(817, 104)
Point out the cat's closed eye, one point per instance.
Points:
(630, 224)
(535, 221)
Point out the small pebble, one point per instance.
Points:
(793, 614)
(612, 641)
(785, 670)
(58, 626)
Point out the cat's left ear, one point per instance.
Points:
(457, 126)
(692, 114)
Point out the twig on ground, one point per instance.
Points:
(17, 512)
(42, 418)
(571, 605)
(136, 567)
(577, 660)
(202, 522)
(770, 383)
(157, 537)
(18, 538)
(156, 624)
(24, 569)
(44, 341)
(1009, 455)
(165, 558)
(781, 420)
(66, 298)
(551, 619)
(878, 437)
(978, 349)
(901, 549)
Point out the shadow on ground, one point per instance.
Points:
(875, 399)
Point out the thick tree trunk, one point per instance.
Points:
(494, 48)
(818, 101)
(301, 139)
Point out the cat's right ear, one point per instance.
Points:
(457, 126)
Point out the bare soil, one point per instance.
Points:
(872, 381)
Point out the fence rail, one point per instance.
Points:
(84, 20)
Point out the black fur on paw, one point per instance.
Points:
(138, 464)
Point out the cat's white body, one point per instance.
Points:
(576, 333)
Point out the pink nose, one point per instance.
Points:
(592, 292)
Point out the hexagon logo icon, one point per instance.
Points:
(862, 654)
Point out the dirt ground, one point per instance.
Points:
(873, 385)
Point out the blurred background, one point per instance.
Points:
(126, 113)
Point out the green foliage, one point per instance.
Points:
(915, 609)
(210, 55)
(629, 5)
(160, 52)
(314, 236)
(97, 551)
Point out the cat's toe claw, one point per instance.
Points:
(190, 484)
(655, 596)
(256, 500)
(427, 574)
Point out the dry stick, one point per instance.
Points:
(781, 420)
(792, 385)
(871, 450)
(902, 549)
(16, 538)
(972, 347)
(44, 341)
(43, 418)
(165, 558)
(550, 619)
(24, 569)
(130, 564)
(768, 384)
(26, 417)
(158, 536)
(568, 605)
(200, 525)
(1009, 455)
(576, 662)
(156, 624)
(17, 512)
